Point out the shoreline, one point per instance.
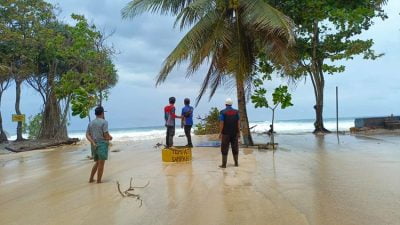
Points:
(370, 132)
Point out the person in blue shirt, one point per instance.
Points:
(187, 121)
(229, 132)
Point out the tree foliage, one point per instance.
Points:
(34, 125)
(280, 97)
(327, 33)
(66, 63)
(209, 124)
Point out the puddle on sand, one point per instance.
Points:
(247, 151)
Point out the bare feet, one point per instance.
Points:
(92, 181)
(99, 182)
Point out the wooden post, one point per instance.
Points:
(337, 110)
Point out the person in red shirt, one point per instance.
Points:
(170, 116)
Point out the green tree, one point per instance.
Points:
(280, 97)
(4, 84)
(104, 69)
(21, 19)
(88, 84)
(5, 77)
(228, 35)
(327, 33)
(70, 61)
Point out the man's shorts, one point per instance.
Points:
(101, 151)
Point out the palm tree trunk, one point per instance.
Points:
(100, 98)
(244, 121)
(18, 83)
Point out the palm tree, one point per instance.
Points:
(226, 34)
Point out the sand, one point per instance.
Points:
(309, 180)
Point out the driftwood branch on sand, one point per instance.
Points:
(29, 145)
(253, 127)
(127, 192)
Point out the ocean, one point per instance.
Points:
(281, 127)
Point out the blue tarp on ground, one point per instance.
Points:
(209, 144)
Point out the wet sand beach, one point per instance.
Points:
(308, 180)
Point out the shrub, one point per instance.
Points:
(34, 126)
(209, 124)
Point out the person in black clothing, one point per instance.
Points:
(229, 132)
(187, 121)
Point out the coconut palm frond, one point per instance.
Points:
(263, 16)
(241, 57)
(163, 7)
(193, 13)
(211, 72)
(209, 45)
(190, 45)
(216, 82)
(227, 38)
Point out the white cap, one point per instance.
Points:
(228, 101)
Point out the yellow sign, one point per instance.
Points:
(18, 118)
(177, 154)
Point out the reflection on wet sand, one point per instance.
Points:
(309, 180)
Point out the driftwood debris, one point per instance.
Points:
(127, 192)
(158, 145)
(253, 127)
(269, 145)
(29, 145)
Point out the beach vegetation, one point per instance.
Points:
(209, 124)
(328, 33)
(34, 125)
(5, 82)
(227, 36)
(279, 98)
(20, 22)
(60, 61)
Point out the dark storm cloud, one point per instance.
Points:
(142, 43)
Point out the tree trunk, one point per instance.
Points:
(53, 127)
(319, 107)
(318, 81)
(18, 83)
(244, 121)
(3, 136)
(100, 98)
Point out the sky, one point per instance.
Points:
(366, 88)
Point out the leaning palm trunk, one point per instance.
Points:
(244, 121)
